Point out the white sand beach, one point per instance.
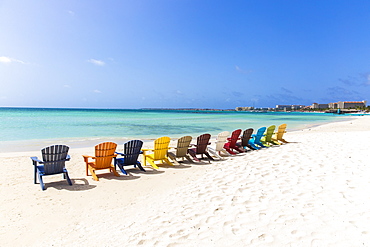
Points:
(313, 191)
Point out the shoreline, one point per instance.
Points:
(36, 145)
(310, 192)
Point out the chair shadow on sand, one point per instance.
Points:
(78, 184)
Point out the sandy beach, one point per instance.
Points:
(312, 191)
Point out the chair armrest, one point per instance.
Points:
(36, 160)
(120, 153)
(68, 157)
(144, 150)
(86, 158)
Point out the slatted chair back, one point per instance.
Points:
(132, 150)
(234, 137)
(259, 134)
(269, 132)
(221, 140)
(104, 153)
(54, 158)
(280, 132)
(202, 143)
(161, 147)
(246, 137)
(182, 146)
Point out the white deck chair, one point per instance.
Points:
(220, 142)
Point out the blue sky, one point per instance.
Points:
(183, 53)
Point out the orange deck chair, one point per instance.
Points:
(104, 154)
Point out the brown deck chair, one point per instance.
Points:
(201, 148)
(245, 139)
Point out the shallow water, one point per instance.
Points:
(26, 126)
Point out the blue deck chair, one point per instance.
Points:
(53, 162)
(131, 152)
(255, 141)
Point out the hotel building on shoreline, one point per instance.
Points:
(340, 105)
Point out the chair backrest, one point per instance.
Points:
(246, 136)
(269, 132)
(202, 143)
(234, 137)
(182, 146)
(259, 134)
(161, 147)
(281, 131)
(104, 153)
(54, 158)
(221, 140)
(131, 150)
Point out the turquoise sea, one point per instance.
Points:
(33, 128)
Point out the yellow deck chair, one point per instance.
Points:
(159, 153)
(278, 136)
(104, 154)
(267, 139)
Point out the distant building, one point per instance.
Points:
(289, 107)
(319, 106)
(245, 108)
(333, 105)
(351, 104)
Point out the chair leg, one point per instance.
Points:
(92, 171)
(151, 162)
(87, 169)
(67, 177)
(192, 153)
(140, 167)
(122, 169)
(209, 157)
(35, 175)
(114, 171)
(168, 162)
(189, 159)
(41, 182)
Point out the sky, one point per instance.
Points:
(131, 54)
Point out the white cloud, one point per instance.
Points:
(96, 62)
(242, 71)
(8, 60)
(71, 12)
(97, 91)
(66, 86)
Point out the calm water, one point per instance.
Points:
(27, 126)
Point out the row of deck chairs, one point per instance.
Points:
(54, 157)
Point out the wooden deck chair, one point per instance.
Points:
(201, 148)
(231, 144)
(104, 154)
(278, 136)
(159, 153)
(267, 139)
(183, 145)
(220, 142)
(247, 134)
(256, 138)
(53, 162)
(131, 152)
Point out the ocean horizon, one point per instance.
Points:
(24, 128)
